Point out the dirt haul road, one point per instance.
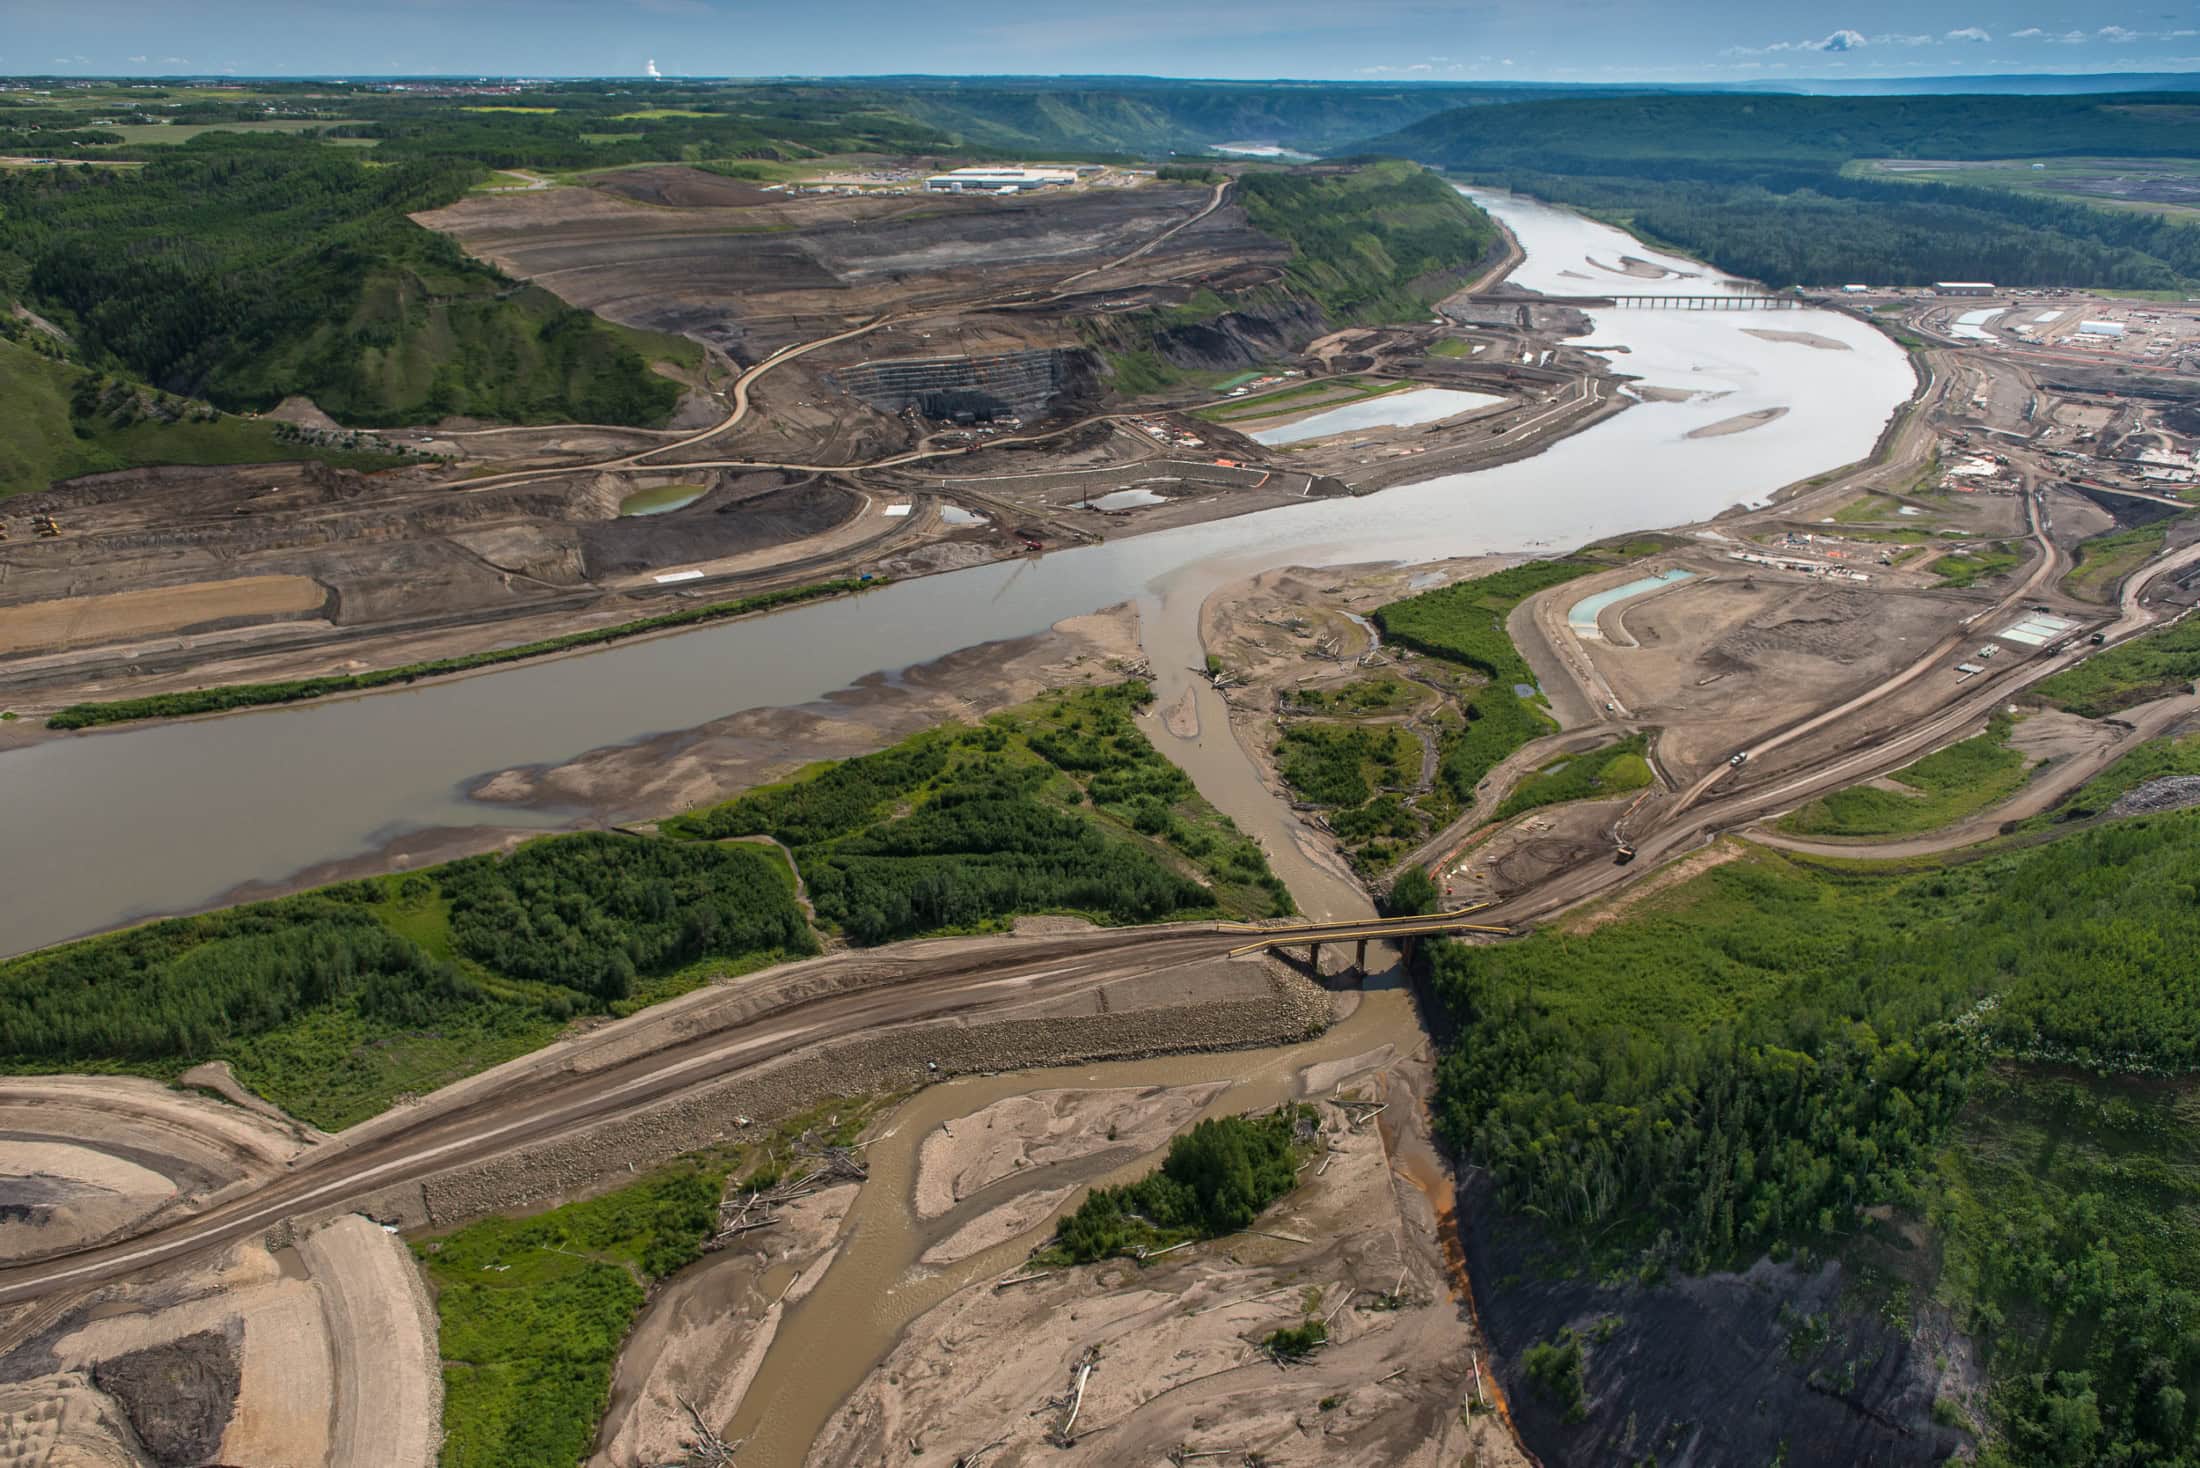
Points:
(861, 993)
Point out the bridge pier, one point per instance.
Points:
(1359, 960)
(1314, 958)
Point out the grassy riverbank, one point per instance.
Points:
(297, 690)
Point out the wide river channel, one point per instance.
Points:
(110, 826)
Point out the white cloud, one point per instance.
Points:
(2029, 33)
(137, 61)
(1841, 40)
(2117, 35)
(1969, 33)
(1901, 40)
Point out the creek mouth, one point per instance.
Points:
(878, 1284)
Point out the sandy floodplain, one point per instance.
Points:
(1174, 1346)
(1740, 423)
(1799, 338)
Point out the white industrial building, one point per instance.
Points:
(2113, 330)
(1965, 287)
(998, 180)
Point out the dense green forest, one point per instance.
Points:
(242, 269)
(1755, 184)
(1061, 805)
(1753, 1059)
(332, 1003)
(1216, 1180)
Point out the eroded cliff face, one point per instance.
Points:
(1776, 1364)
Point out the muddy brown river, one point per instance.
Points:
(121, 824)
(876, 1285)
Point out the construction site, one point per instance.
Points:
(892, 386)
(901, 386)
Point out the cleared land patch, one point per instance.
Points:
(44, 626)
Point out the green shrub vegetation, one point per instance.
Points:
(63, 421)
(1296, 1342)
(1061, 805)
(1465, 622)
(1610, 770)
(2105, 560)
(252, 695)
(1361, 696)
(1344, 764)
(533, 1311)
(1951, 784)
(1966, 568)
(1378, 243)
(1555, 1368)
(334, 1003)
(1216, 1180)
(2163, 662)
(2150, 761)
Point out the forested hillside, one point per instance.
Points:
(241, 270)
(1763, 1056)
(1755, 183)
(1375, 244)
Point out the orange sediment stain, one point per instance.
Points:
(1434, 1182)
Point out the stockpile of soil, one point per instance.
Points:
(178, 1396)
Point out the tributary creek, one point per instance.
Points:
(114, 825)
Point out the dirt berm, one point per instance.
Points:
(1293, 1008)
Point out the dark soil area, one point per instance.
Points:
(684, 188)
(726, 522)
(2129, 513)
(178, 1397)
(1767, 1366)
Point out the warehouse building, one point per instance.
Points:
(998, 180)
(1965, 287)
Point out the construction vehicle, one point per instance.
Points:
(1623, 854)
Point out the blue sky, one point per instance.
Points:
(1437, 40)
